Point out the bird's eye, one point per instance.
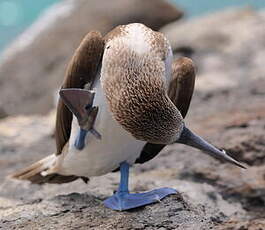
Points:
(107, 47)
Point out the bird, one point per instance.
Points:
(123, 99)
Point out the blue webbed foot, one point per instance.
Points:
(124, 200)
(80, 103)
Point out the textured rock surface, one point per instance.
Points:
(227, 47)
(33, 67)
(227, 109)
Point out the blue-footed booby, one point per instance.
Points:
(123, 99)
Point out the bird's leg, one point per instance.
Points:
(123, 200)
(80, 139)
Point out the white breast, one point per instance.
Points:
(101, 156)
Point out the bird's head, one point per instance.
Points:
(146, 112)
(137, 97)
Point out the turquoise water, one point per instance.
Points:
(16, 15)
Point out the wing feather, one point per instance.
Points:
(81, 72)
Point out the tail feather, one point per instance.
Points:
(36, 173)
(29, 172)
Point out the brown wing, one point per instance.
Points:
(180, 92)
(182, 84)
(81, 71)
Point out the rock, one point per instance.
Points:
(24, 139)
(255, 224)
(79, 213)
(33, 67)
(3, 114)
(232, 40)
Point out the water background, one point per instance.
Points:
(17, 15)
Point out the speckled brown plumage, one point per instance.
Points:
(148, 115)
(118, 31)
(135, 86)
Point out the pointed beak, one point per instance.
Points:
(189, 138)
